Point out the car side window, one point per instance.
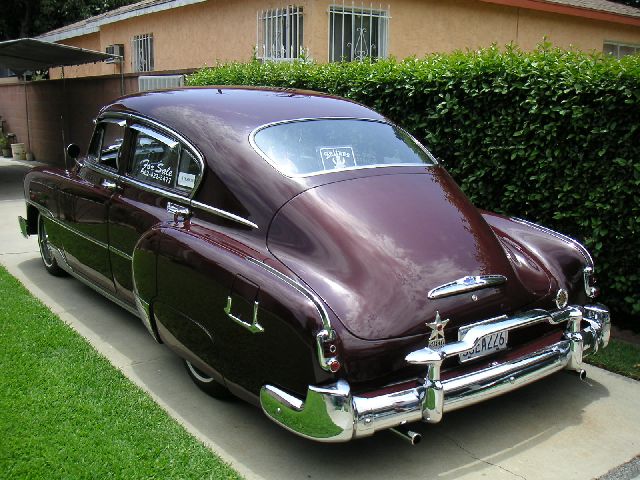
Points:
(188, 172)
(105, 144)
(155, 159)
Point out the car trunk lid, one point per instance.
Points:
(374, 246)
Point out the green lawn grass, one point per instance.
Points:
(619, 357)
(66, 412)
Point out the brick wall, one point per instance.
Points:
(57, 105)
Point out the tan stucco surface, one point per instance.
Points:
(219, 31)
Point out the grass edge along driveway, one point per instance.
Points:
(66, 412)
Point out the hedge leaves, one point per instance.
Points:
(551, 135)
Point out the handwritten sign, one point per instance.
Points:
(156, 171)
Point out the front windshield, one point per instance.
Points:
(326, 145)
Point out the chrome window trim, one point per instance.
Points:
(256, 130)
(222, 213)
(571, 241)
(169, 142)
(120, 123)
(114, 121)
(186, 200)
(144, 121)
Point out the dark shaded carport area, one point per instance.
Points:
(46, 115)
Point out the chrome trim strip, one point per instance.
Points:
(327, 334)
(175, 197)
(571, 241)
(223, 214)
(62, 263)
(143, 308)
(120, 253)
(106, 294)
(466, 284)
(41, 208)
(79, 233)
(253, 144)
(335, 415)
(299, 287)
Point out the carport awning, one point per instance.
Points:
(31, 54)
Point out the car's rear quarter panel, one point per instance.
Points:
(197, 270)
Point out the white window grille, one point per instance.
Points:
(620, 50)
(142, 53)
(357, 32)
(280, 33)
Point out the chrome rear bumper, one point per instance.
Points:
(332, 414)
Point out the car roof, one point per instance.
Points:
(219, 120)
(243, 108)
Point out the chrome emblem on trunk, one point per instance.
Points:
(436, 338)
(466, 284)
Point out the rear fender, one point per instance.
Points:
(233, 311)
(564, 258)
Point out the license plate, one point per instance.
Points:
(487, 345)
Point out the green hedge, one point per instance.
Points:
(551, 136)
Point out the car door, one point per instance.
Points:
(156, 180)
(84, 200)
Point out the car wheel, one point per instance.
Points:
(207, 384)
(45, 250)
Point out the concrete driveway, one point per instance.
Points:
(558, 428)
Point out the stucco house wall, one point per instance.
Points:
(191, 36)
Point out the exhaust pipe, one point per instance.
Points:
(582, 373)
(412, 437)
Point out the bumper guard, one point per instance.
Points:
(332, 414)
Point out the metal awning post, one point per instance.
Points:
(26, 109)
(121, 76)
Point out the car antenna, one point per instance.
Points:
(64, 148)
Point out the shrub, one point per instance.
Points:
(551, 135)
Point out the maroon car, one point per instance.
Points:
(303, 253)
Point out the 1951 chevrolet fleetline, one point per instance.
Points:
(302, 252)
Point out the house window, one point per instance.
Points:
(279, 33)
(356, 33)
(620, 50)
(142, 53)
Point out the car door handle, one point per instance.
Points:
(109, 184)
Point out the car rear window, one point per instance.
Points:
(307, 147)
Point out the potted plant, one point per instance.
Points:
(4, 145)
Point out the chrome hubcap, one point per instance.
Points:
(43, 242)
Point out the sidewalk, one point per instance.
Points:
(557, 428)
